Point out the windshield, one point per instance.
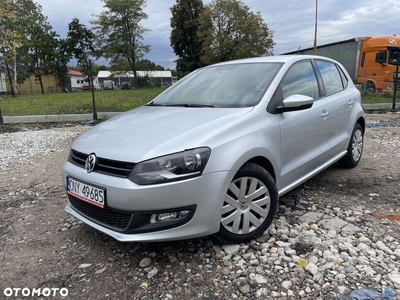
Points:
(394, 56)
(233, 85)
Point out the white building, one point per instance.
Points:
(162, 78)
(79, 79)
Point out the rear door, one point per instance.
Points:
(341, 101)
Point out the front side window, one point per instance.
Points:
(381, 57)
(300, 80)
(330, 76)
(231, 85)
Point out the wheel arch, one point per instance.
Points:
(361, 121)
(264, 163)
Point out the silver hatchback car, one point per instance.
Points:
(214, 152)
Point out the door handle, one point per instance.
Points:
(324, 114)
(350, 102)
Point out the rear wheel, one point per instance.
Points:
(355, 148)
(250, 204)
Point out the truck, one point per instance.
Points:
(370, 61)
(109, 85)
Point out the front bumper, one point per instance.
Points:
(202, 196)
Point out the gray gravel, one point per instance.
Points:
(18, 148)
(308, 253)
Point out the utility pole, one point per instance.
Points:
(316, 22)
(92, 89)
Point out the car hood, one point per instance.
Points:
(149, 132)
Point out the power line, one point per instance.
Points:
(286, 13)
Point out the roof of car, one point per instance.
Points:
(275, 58)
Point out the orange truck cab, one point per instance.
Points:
(371, 61)
(379, 57)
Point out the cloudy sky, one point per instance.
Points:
(292, 21)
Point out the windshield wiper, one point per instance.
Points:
(190, 105)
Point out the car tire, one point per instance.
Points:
(355, 148)
(250, 204)
(371, 87)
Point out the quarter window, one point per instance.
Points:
(330, 76)
(345, 81)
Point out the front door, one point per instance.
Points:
(307, 129)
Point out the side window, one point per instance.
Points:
(345, 81)
(381, 57)
(301, 80)
(330, 76)
(363, 60)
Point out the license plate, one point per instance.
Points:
(86, 192)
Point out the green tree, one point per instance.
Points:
(185, 40)
(44, 51)
(79, 42)
(147, 65)
(97, 68)
(120, 65)
(231, 31)
(28, 45)
(119, 32)
(16, 16)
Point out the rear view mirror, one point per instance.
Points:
(295, 102)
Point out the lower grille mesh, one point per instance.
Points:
(106, 216)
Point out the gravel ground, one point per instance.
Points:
(335, 234)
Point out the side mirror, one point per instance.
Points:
(295, 103)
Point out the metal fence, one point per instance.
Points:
(98, 88)
(87, 90)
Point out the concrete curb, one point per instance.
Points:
(57, 118)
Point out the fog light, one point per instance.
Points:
(169, 216)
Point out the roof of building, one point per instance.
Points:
(75, 73)
(154, 74)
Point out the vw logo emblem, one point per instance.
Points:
(90, 163)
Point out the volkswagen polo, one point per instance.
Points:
(214, 152)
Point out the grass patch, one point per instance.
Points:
(76, 102)
(370, 98)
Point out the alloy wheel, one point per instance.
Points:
(357, 145)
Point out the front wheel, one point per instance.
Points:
(250, 204)
(355, 148)
(371, 87)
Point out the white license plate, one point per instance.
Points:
(86, 192)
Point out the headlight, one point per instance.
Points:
(177, 166)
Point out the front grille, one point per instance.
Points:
(106, 216)
(103, 166)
